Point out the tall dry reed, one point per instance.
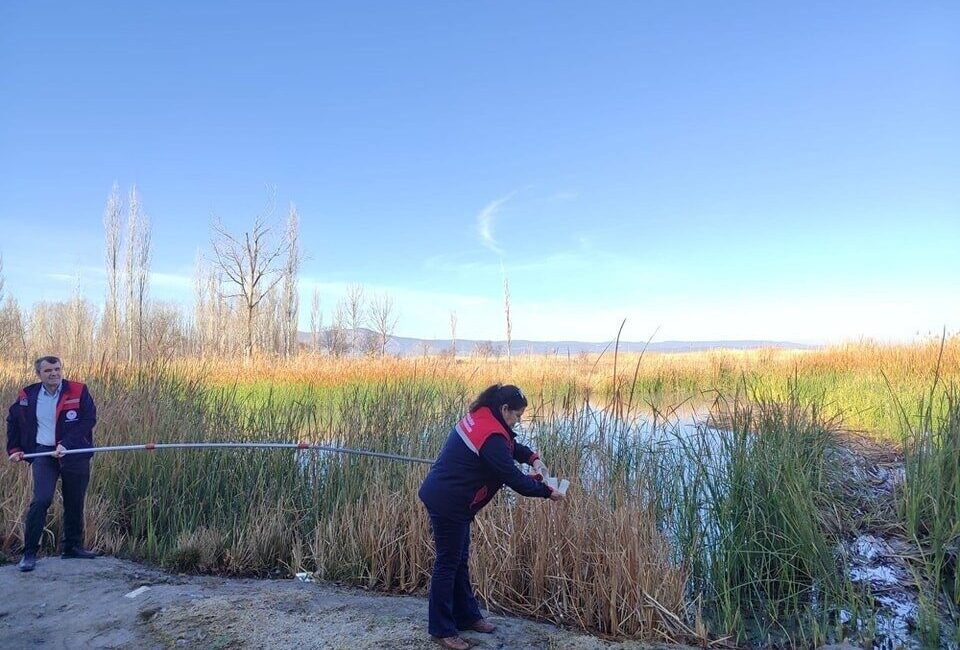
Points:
(719, 531)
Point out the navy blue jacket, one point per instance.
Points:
(475, 462)
(76, 415)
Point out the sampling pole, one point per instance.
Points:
(152, 446)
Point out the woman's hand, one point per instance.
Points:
(556, 496)
(540, 468)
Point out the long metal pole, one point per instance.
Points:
(152, 446)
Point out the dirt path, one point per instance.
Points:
(87, 604)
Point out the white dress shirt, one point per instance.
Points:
(47, 416)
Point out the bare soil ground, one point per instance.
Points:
(85, 604)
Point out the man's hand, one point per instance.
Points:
(16, 457)
(556, 496)
(59, 452)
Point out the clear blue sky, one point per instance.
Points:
(714, 170)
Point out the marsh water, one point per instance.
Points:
(876, 563)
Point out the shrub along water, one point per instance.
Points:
(752, 495)
(930, 505)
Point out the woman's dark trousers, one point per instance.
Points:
(453, 606)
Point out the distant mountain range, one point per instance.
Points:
(407, 346)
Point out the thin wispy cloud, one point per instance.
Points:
(173, 280)
(61, 277)
(580, 258)
(486, 220)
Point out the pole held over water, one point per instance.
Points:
(153, 446)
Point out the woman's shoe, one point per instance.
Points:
(28, 562)
(483, 626)
(452, 643)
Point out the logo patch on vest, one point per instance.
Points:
(24, 402)
(71, 416)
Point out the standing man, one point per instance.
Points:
(53, 415)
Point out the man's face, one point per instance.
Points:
(50, 374)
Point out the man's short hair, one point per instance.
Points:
(48, 359)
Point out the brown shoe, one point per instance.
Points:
(484, 626)
(452, 643)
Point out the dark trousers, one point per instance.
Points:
(74, 474)
(453, 606)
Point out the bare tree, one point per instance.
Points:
(506, 310)
(250, 264)
(337, 341)
(486, 349)
(216, 315)
(201, 305)
(355, 314)
(383, 318)
(137, 274)
(453, 333)
(269, 329)
(316, 320)
(369, 342)
(166, 331)
(41, 320)
(291, 300)
(111, 226)
(81, 319)
(210, 310)
(12, 334)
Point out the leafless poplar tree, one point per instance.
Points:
(250, 265)
(137, 274)
(41, 319)
(209, 310)
(383, 318)
(74, 328)
(12, 335)
(201, 306)
(290, 304)
(506, 310)
(356, 315)
(167, 334)
(111, 313)
(316, 320)
(269, 323)
(453, 333)
(337, 339)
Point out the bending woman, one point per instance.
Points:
(476, 461)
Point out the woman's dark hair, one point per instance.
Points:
(497, 395)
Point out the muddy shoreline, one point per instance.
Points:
(101, 604)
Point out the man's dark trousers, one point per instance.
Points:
(74, 474)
